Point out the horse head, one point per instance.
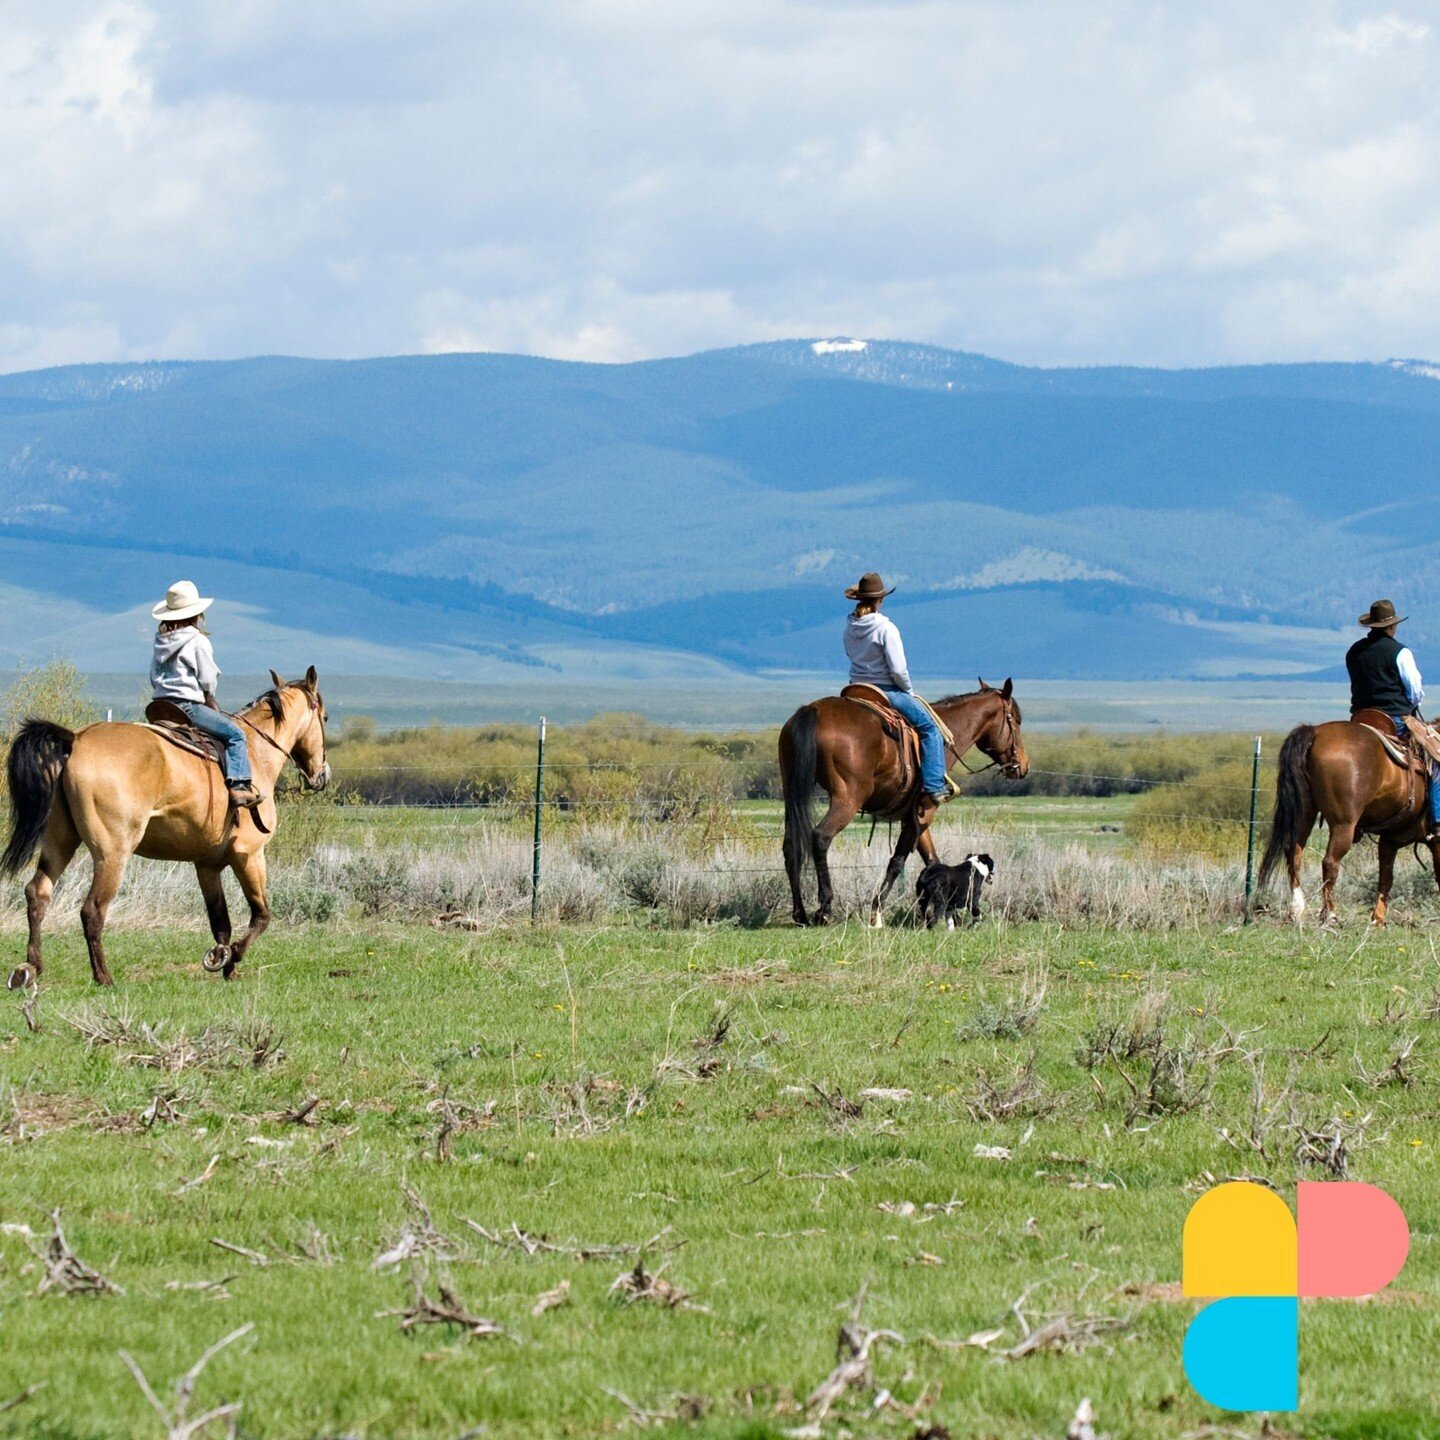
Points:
(307, 750)
(1001, 739)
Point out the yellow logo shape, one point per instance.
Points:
(1240, 1240)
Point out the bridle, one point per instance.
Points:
(312, 782)
(1001, 758)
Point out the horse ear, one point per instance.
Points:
(1009, 688)
(275, 680)
(312, 678)
(981, 679)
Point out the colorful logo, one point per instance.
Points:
(1245, 1252)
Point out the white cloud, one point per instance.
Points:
(609, 179)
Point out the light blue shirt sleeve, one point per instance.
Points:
(1410, 677)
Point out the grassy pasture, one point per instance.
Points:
(576, 1083)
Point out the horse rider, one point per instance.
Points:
(183, 671)
(877, 657)
(1385, 677)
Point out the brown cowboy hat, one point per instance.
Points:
(1380, 615)
(871, 587)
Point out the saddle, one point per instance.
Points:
(1420, 748)
(171, 723)
(901, 731)
(168, 720)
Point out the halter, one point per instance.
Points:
(274, 744)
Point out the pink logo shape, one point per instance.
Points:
(1353, 1238)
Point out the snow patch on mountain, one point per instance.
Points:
(839, 347)
(1030, 565)
(1422, 368)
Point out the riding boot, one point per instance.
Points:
(927, 807)
(243, 794)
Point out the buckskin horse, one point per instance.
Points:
(841, 745)
(1340, 770)
(122, 790)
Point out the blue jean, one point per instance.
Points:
(1434, 793)
(219, 724)
(932, 744)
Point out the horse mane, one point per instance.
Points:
(270, 698)
(975, 695)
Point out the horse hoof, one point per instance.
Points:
(22, 977)
(217, 957)
(877, 921)
(232, 971)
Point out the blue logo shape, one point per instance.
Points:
(1243, 1353)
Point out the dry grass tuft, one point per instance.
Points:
(63, 1269)
(249, 1043)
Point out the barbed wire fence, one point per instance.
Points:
(511, 799)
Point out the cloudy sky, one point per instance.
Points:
(1175, 182)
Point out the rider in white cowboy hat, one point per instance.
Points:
(183, 671)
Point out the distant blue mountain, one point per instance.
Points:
(491, 516)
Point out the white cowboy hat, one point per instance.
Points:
(182, 600)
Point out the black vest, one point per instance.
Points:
(1375, 682)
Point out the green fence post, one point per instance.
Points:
(1250, 844)
(539, 802)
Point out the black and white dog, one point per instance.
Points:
(945, 891)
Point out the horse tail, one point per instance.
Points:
(37, 760)
(800, 770)
(1294, 805)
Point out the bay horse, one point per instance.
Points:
(1340, 770)
(121, 790)
(841, 746)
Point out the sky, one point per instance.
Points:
(1183, 183)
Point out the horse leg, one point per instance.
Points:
(213, 889)
(250, 872)
(1387, 879)
(909, 836)
(795, 855)
(836, 818)
(1293, 861)
(104, 885)
(56, 852)
(1342, 837)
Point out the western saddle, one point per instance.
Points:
(167, 719)
(902, 732)
(1416, 752)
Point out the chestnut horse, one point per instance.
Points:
(1339, 770)
(122, 790)
(841, 745)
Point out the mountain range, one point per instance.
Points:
(499, 518)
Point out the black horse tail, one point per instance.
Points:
(37, 760)
(1293, 802)
(800, 783)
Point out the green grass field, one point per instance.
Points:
(701, 1091)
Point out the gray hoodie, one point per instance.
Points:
(876, 655)
(183, 665)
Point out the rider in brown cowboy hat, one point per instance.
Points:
(1384, 676)
(877, 657)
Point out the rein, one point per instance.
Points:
(995, 764)
(270, 739)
